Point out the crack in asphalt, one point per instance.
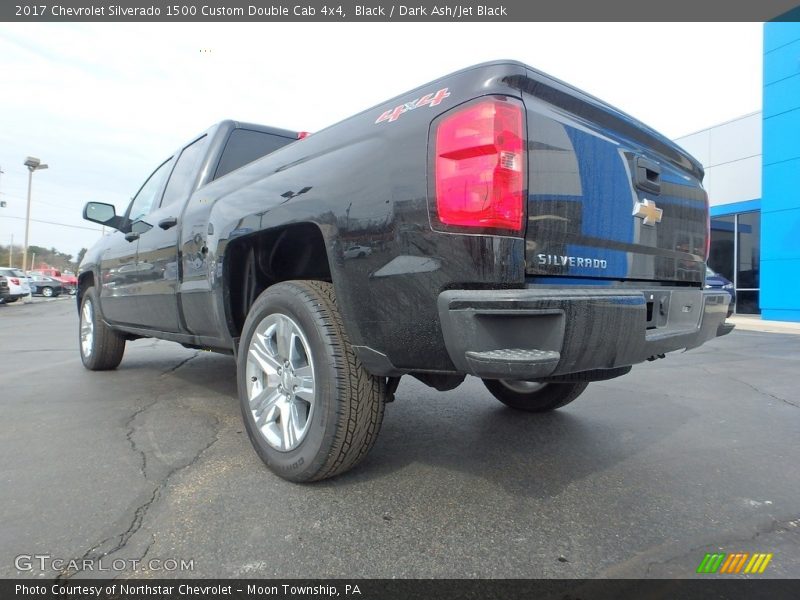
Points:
(180, 364)
(774, 526)
(96, 552)
(139, 560)
(44, 350)
(132, 429)
(92, 554)
(754, 388)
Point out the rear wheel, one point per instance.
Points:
(532, 396)
(310, 408)
(100, 346)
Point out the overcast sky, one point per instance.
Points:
(104, 104)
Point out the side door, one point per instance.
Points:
(157, 261)
(119, 278)
(242, 147)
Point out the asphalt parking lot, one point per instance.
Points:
(640, 477)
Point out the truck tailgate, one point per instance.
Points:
(609, 199)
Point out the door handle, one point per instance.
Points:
(168, 223)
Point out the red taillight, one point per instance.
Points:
(303, 134)
(14, 280)
(479, 165)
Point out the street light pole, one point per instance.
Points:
(33, 164)
(2, 202)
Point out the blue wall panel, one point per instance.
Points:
(780, 202)
(779, 180)
(776, 298)
(782, 63)
(783, 94)
(779, 34)
(780, 235)
(735, 207)
(781, 132)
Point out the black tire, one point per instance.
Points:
(47, 292)
(11, 300)
(105, 349)
(348, 402)
(549, 396)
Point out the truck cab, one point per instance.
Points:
(155, 263)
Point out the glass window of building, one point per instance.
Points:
(735, 254)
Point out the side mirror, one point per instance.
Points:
(105, 214)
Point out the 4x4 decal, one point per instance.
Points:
(427, 100)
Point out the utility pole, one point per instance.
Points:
(2, 202)
(11, 246)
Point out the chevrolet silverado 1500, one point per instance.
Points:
(496, 223)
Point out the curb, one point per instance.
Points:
(744, 323)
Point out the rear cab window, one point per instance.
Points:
(246, 145)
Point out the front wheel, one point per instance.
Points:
(532, 396)
(100, 346)
(47, 292)
(310, 408)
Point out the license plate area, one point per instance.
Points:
(657, 304)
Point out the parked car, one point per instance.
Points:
(715, 281)
(4, 291)
(519, 189)
(41, 285)
(357, 251)
(18, 286)
(68, 281)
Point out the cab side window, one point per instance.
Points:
(184, 175)
(147, 198)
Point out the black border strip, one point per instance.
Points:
(709, 586)
(388, 10)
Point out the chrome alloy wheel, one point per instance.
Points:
(521, 386)
(87, 329)
(280, 382)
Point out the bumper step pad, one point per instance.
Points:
(514, 363)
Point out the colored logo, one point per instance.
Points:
(427, 100)
(739, 562)
(648, 210)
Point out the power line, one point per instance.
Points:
(59, 224)
(38, 201)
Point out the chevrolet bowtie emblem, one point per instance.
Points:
(649, 211)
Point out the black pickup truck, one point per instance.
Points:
(495, 222)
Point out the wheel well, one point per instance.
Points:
(255, 262)
(85, 281)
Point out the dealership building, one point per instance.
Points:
(752, 170)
